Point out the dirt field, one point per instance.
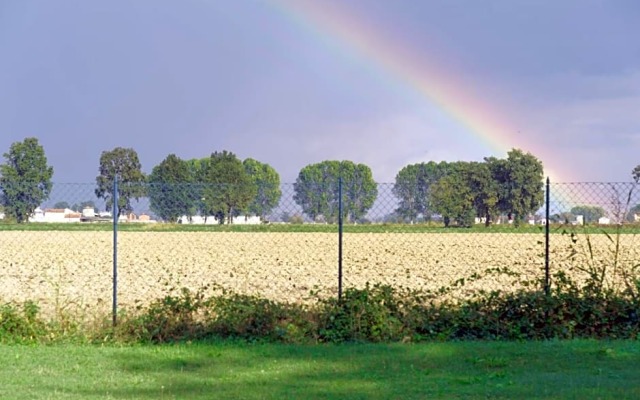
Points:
(73, 270)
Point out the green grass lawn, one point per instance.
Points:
(327, 228)
(462, 370)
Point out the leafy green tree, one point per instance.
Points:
(227, 188)
(453, 197)
(197, 168)
(83, 205)
(123, 163)
(25, 179)
(61, 205)
(520, 183)
(171, 189)
(485, 191)
(316, 190)
(590, 213)
(359, 190)
(267, 182)
(412, 185)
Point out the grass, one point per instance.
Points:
(304, 228)
(228, 370)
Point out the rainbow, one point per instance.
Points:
(435, 84)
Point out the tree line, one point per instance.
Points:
(224, 186)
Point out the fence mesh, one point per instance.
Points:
(63, 258)
(595, 233)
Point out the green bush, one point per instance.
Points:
(254, 318)
(375, 313)
(21, 325)
(372, 314)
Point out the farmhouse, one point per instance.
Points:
(604, 221)
(212, 220)
(55, 215)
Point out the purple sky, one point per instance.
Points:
(195, 76)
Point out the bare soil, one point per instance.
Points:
(73, 271)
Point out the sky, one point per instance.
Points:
(291, 83)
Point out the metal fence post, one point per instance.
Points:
(115, 249)
(340, 238)
(547, 283)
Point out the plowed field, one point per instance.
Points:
(73, 270)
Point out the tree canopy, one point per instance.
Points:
(25, 179)
(124, 164)
(227, 188)
(267, 183)
(460, 191)
(316, 190)
(453, 197)
(171, 189)
(520, 184)
(61, 205)
(412, 187)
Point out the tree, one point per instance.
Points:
(171, 189)
(267, 182)
(359, 190)
(412, 185)
(485, 191)
(636, 174)
(84, 204)
(227, 188)
(124, 164)
(25, 179)
(453, 197)
(590, 213)
(61, 205)
(316, 190)
(520, 183)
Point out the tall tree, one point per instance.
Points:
(359, 190)
(25, 179)
(171, 189)
(227, 188)
(316, 190)
(412, 185)
(267, 182)
(520, 183)
(453, 197)
(123, 163)
(197, 168)
(485, 191)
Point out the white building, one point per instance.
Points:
(55, 215)
(604, 221)
(212, 220)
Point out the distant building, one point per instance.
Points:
(52, 215)
(604, 221)
(212, 220)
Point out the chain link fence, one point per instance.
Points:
(64, 259)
